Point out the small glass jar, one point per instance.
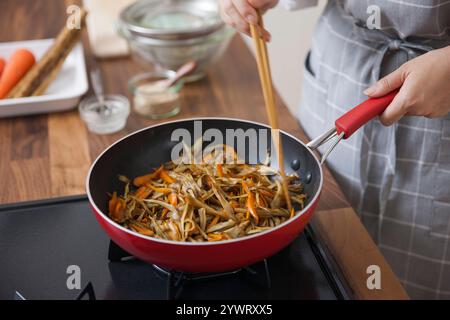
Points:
(151, 99)
(106, 118)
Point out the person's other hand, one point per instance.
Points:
(240, 13)
(424, 84)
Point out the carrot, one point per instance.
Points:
(213, 222)
(143, 192)
(251, 207)
(219, 170)
(160, 190)
(140, 181)
(173, 200)
(112, 203)
(250, 202)
(163, 213)
(2, 66)
(165, 176)
(20, 63)
(118, 209)
(217, 236)
(142, 230)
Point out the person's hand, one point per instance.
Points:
(240, 13)
(424, 84)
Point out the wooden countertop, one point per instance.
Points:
(48, 155)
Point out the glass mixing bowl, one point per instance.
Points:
(170, 33)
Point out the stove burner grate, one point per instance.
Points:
(87, 291)
(176, 280)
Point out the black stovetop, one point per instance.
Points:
(39, 240)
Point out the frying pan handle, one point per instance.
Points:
(363, 113)
(351, 121)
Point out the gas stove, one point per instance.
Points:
(55, 249)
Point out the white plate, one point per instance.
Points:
(65, 91)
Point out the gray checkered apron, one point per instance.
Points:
(397, 178)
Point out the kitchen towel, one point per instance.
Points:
(101, 24)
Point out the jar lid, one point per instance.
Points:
(172, 20)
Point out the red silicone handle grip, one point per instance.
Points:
(363, 113)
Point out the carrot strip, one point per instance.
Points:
(143, 192)
(250, 202)
(2, 66)
(217, 236)
(118, 210)
(160, 190)
(165, 176)
(164, 213)
(251, 207)
(219, 170)
(117, 207)
(20, 63)
(140, 181)
(213, 222)
(112, 203)
(173, 199)
(146, 193)
(141, 230)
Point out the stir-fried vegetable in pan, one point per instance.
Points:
(205, 202)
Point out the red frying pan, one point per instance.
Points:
(148, 148)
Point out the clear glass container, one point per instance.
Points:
(105, 118)
(151, 99)
(167, 34)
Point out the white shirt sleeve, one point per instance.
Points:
(297, 4)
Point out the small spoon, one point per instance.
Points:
(183, 71)
(98, 90)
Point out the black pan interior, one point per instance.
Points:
(139, 153)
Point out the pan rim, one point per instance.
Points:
(221, 242)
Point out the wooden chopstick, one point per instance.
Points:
(269, 99)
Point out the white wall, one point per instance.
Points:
(291, 39)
